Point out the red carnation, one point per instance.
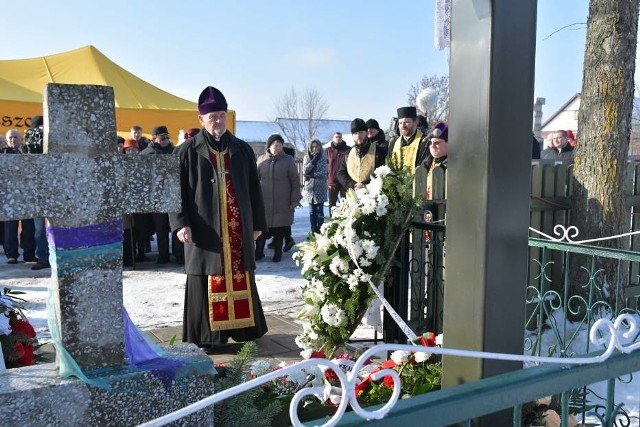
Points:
(20, 327)
(363, 386)
(331, 376)
(388, 381)
(27, 358)
(19, 348)
(388, 364)
(318, 355)
(429, 340)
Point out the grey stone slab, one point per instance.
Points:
(164, 335)
(36, 396)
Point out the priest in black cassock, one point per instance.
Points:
(222, 215)
(412, 143)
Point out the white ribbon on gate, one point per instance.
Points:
(611, 335)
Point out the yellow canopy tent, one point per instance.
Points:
(22, 82)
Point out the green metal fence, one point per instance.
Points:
(557, 313)
(514, 392)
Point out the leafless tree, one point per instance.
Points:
(440, 84)
(298, 115)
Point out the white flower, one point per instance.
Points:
(6, 302)
(5, 329)
(421, 356)
(323, 244)
(439, 340)
(370, 248)
(355, 249)
(400, 356)
(364, 262)
(353, 281)
(260, 367)
(306, 354)
(343, 265)
(332, 315)
(381, 208)
(365, 277)
(368, 205)
(382, 171)
(298, 377)
(333, 266)
(375, 186)
(313, 335)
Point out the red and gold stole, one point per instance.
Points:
(230, 302)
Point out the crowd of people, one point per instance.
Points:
(28, 234)
(328, 173)
(233, 202)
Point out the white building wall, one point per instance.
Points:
(565, 120)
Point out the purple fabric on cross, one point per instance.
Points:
(87, 236)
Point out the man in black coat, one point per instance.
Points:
(375, 135)
(222, 215)
(161, 144)
(560, 148)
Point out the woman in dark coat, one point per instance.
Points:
(280, 183)
(315, 183)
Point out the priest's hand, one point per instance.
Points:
(184, 235)
(256, 234)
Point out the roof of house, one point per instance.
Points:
(255, 131)
(259, 131)
(561, 109)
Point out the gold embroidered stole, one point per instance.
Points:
(409, 152)
(230, 300)
(361, 168)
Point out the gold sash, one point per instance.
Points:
(230, 299)
(409, 152)
(361, 168)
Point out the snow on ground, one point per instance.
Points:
(154, 296)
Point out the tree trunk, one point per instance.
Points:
(604, 127)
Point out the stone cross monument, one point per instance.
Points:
(83, 187)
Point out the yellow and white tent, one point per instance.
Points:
(22, 82)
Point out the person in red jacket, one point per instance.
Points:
(335, 157)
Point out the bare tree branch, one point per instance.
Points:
(583, 24)
(441, 85)
(298, 115)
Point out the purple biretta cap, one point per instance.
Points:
(210, 100)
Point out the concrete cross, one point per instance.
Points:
(84, 187)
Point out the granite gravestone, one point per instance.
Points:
(83, 187)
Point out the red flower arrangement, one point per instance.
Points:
(18, 340)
